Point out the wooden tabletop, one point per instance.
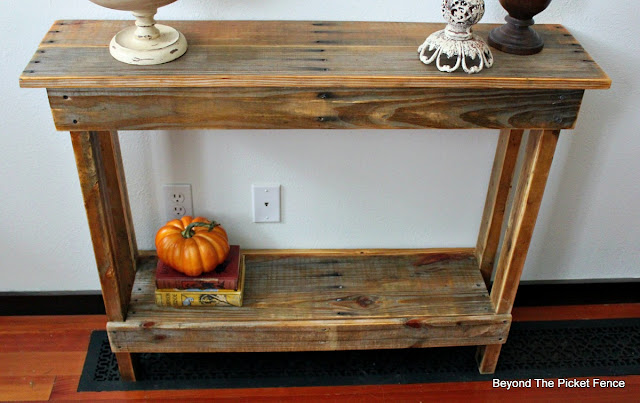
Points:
(308, 54)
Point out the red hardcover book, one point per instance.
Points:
(225, 276)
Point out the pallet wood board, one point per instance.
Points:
(301, 301)
(308, 54)
(300, 108)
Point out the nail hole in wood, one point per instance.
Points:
(325, 95)
(65, 97)
(75, 122)
(37, 61)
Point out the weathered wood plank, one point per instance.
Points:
(301, 54)
(299, 287)
(328, 108)
(528, 195)
(126, 366)
(487, 358)
(504, 165)
(298, 300)
(121, 195)
(220, 336)
(256, 33)
(101, 180)
(522, 218)
(424, 254)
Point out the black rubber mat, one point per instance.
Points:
(534, 350)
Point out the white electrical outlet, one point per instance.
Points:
(266, 203)
(177, 201)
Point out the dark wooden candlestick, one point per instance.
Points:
(517, 36)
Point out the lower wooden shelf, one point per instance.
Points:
(325, 300)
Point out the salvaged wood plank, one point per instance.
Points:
(353, 334)
(102, 182)
(302, 54)
(529, 191)
(343, 299)
(504, 165)
(126, 366)
(327, 108)
(528, 195)
(104, 190)
(292, 286)
(487, 358)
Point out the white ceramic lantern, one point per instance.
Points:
(146, 42)
(457, 46)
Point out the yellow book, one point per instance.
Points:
(187, 298)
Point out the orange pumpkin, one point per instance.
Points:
(192, 245)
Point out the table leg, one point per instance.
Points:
(127, 366)
(106, 202)
(504, 166)
(528, 195)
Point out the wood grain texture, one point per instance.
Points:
(26, 388)
(300, 54)
(532, 179)
(431, 253)
(355, 334)
(60, 323)
(576, 312)
(325, 302)
(42, 363)
(101, 179)
(52, 341)
(104, 190)
(504, 165)
(487, 358)
(126, 366)
(528, 195)
(326, 108)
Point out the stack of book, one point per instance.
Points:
(222, 287)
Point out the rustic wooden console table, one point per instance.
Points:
(306, 75)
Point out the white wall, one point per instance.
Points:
(340, 189)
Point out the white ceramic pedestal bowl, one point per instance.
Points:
(146, 43)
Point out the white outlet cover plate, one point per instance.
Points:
(177, 201)
(266, 203)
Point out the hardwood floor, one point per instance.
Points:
(41, 359)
